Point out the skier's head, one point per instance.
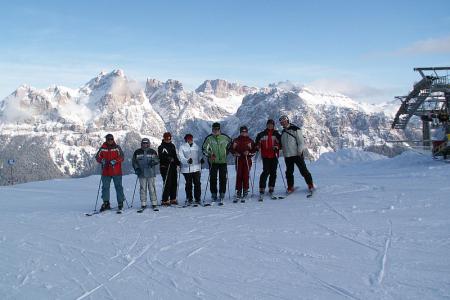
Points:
(145, 143)
(270, 124)
(216, 128)
(109, 138)
(189, 138)
(284, 121)
(167, 137)
(243, 130)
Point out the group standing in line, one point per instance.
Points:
(189, 161)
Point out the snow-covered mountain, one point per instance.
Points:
(56, 131)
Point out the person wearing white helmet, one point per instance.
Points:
(292, 144)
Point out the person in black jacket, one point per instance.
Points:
(168, 164)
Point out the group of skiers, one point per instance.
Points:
(189, 161)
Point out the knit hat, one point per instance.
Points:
(167, 135)
(109, 136)
(270, 121)
(216, 125)
(188, 137)
(243, 128)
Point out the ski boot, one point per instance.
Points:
(105, 206)
(244, 196)
(165, 203)
(222, 196)
(173, 202)
(261, 197)
(237, 197)
(155, 208)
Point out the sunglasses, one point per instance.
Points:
(244, 131)
(145, 143)
(110, 139)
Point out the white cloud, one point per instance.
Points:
(428, 46)
(354, 90)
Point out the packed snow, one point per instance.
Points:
(376, 228)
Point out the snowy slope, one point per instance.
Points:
(376, 228)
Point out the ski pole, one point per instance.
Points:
(134, 192)
(207, 182)
(248, 171)
(165, 180)
(279, 166)
(228, 183)
(178, 183)
(254, 171)
(98, 192)
(236, 182)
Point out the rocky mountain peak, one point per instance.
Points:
(222, 88)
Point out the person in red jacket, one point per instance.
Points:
(268, 142)
(110, 156)
(243, 148)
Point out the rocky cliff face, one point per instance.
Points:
(56, 132)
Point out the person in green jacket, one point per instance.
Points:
(216, 147)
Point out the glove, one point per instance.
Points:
(138, 172)
(202, 161)
(213, 157)
(275, 148)
(190, 161)
(103, 162)
(113, 162)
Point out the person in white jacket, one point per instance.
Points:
(191, 164)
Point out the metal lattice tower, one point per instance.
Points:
(429, 100)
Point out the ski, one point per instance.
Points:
(92, 213)
(97, 212)
(141, 210)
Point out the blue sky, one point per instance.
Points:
(366, 49)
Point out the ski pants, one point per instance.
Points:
(170, 186)
(300, 162)
(147, 184)
(269, 170)
(243, 166)
(193, 179)
(106, 183)
(222, 170)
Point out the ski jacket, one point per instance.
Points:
(145, 160)
(266, 141)
(190, 151)
(166, 152)
(292, 141)
(218, 146)
(110, 153)
(242, 144)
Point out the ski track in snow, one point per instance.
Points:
(383, 260)
(331, 246)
